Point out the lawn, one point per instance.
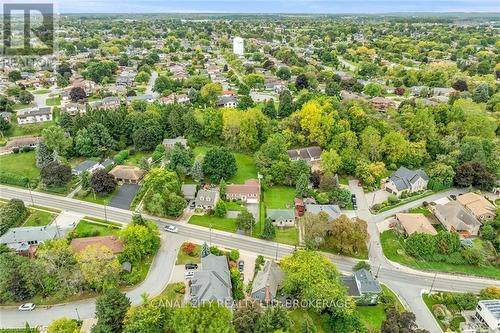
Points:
(183, 258)
(19, 106)
(298, 316)
(38, 218)
(373, 316)
(277, 197)
(86, 228)
(139, 272)
(29, 129)
(41, 91)
(245, 163)
(136, 158)
(95, 198)
(172, 293)
(55, 101)
(393, 250)
(219, 223)
(234, 205)
(22, 164)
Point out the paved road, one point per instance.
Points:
(406, 282)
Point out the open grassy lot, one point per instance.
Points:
(172, 293)
(95, 198)
(298, 316)
(279, 197)
(38, 218)
(219, 223)
(373, 316)
(184, 258)
(55, 101)
(136, 158)
(41, 91)
(393, 249)
(139, 271)
(86, 228)
(32, 129)
(22, 164)
(20, 106)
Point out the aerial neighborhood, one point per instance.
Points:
(253, 173)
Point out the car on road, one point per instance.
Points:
(27, 307)
(241, 265)
(188, 275)
(171, 228)
(191, 266)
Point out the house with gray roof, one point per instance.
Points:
(227, 101)
(267, 282)
(455, 218)
(188, 191)
(35, 115)
(24, 240)
(281, 217)
(213, 282)
(333, 211)
(363, 287)
(87, 165)
(406, 180)
(207, 199)
(170, 143)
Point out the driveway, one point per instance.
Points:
(376, 197)
(67, 219)
(254, 209)
(124, 197)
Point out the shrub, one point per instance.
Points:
(234, 255)
(15, 150)
(12, 214)
(392, 199)
(189, 248)
(13, 179)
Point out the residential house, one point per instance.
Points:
(24, 240)
(266, 283)
(74, 108)
(35, 115)
(7, 116)
(227, 101)
(415, 223)
(127, 174)
(382, 104)
(188, 191)
(478, 206)
(333, 211)
(86, 166)
(454, 217)
(174, 98)
(300, 204)
(248, 192)
(170, 143)
(88, 86)
(438, 91)
(406, 180)
(206, 199)
(19, 143)
(488, 313)
(110, 102)
(147, 98)
(312, 155)
(113, 243)
(213, 282)
(363, 287)
(281, 217)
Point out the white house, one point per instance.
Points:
(406, 180)
(36, 115)
(238, 46)
(488, 313)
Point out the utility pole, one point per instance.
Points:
(277, 247)
(77, 314)
(105, 214)
(378, 270)
(433, 280)
(31, 195)
(210, 234)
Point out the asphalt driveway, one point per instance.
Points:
(124, 197)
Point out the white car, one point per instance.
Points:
(27, 307)
(188, 275)
(171, 228)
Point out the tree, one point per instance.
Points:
(308, 326)
(93, 140)
(5, 125)
(474, 174)
(63, 325)
(43, 155)
(246, 315)
(197, 171)
(370, 173)
(371, 143)
(77, 94)
(492, 292)
(14, 76)
(220, 209)
(311, 277)
(56, 140)
(55, 174)
(207, 317)
(273, 319)
(140, 241)
(245, 220)
(373, 89)
(302, 186)
(237, 284)
(99, 266)
(481, 94)
(111, 309)
(142, 77)
(160, 180)
(270, 109)
(315, 229)
(330, 161)
(440, 175)
(460, 85)
(222, 188)
(152, 317)
(332, 89)
(245, 102)
(396, 322)
(269, 231)
(301, 82)
(219, 163)
(284, 73)
(361, 265)
(205, 250)
(25, 97)
(102, 183)
(347, 236)
(100, 71)
(210, 92)
(285, 107)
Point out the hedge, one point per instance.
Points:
(12, 214)
(14, 179)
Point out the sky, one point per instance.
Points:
(272, 6)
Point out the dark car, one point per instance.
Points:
(453, 196)
(191, 266)
(353, 199)
(241, 265)
(192, 204)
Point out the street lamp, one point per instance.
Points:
(31, 195)
(77, 314)
(210, 234)
(105, 214)
(432, 285)
(277, 247)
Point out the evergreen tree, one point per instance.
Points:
(270, 109)
(308, 326)
(269, 231)
(481, 94)
(301, 187)
(222, 188)
(43, 155)
(205, 250)
(286, 104)
(197, 171)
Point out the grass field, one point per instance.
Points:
(56, 101)
(31, 129)
(22, 164)
(393, 250)
(219, 223)
(95, 198)
(171, 294)
(38, 218)
(86, 228)
(19, 106)
(277, 197)
(183, 258)
(41, 91)
(136, 158)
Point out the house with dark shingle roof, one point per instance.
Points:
(406, 180)
(267, 282)
(281, 217)
(213, 282)
(363, 287)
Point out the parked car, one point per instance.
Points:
(453, 196)
(192, 205)
(241, 265)
(27, 307)
(188, 275)
(191, 266)
(354, 206)
(171, 228)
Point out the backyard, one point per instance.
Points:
(21, 164)
(392, 245)
(86, 228)
(38, 218)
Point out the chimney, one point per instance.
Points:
(267, 297)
